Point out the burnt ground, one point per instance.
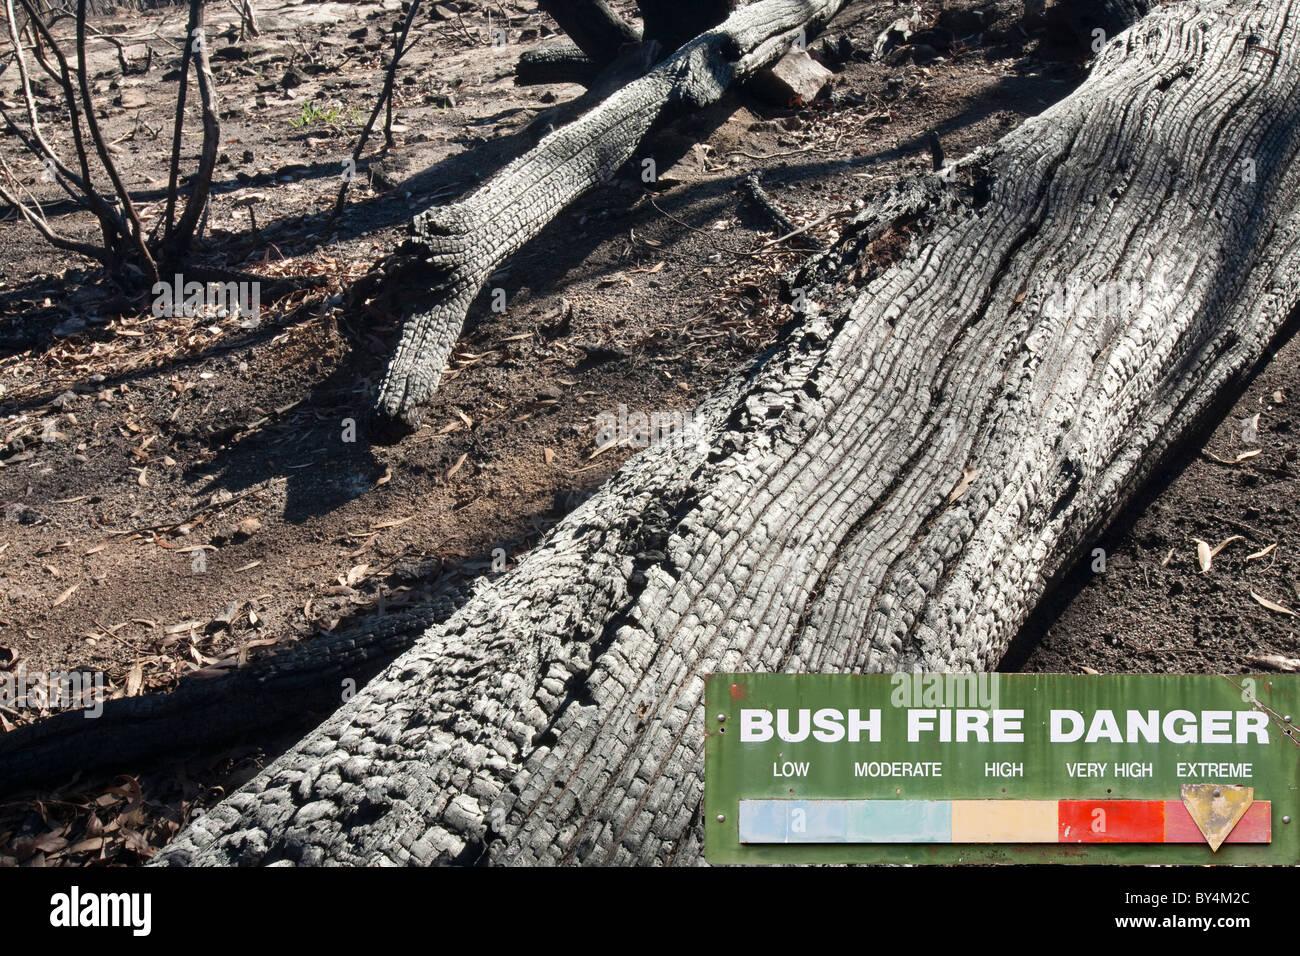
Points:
(130, 444)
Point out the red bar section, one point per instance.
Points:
(1255, 825)
(1111, 821)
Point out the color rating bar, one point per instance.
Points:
(986, 821)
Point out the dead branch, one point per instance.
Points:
(385, 100)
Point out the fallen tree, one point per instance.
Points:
(893, 487)
(462, 244)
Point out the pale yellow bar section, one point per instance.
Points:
(1004, 821)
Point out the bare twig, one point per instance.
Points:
(385, 99)
(136, 231)
(173, 170)
(198, 199)
(41, 225)
(802, 229)
(112, 226)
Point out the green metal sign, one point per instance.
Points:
(1002, 768)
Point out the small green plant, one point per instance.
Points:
(332, 115)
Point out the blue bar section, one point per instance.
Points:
(900, 821)
(794, 821)
(845, 821)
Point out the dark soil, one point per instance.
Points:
(1153, 610)
(129, 441)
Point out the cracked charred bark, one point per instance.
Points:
(463, 243)
(560, 62)
(892, 488)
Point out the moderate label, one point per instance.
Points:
(1033, 768)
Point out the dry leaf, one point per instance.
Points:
(1263, 553)
(1224, 543)
(1205, 555)
(356, 574)
(385, 478)
(50, 842)
(228, 614)
(1273, 605)
(456, 467)
(137, 843)
(967, 476)
(1276, 662)
(134, 680)
(65, 595)
(548, 455)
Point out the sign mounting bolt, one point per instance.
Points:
(722, 717)
(722, 818)
(1286, 819)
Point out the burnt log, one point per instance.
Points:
(938, 437)
(462, 244)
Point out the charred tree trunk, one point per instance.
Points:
(561, 62)
(1115, 15)
(465, 242)
(594, 28)
(892, 488)
(598, 34)
(673, 22)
